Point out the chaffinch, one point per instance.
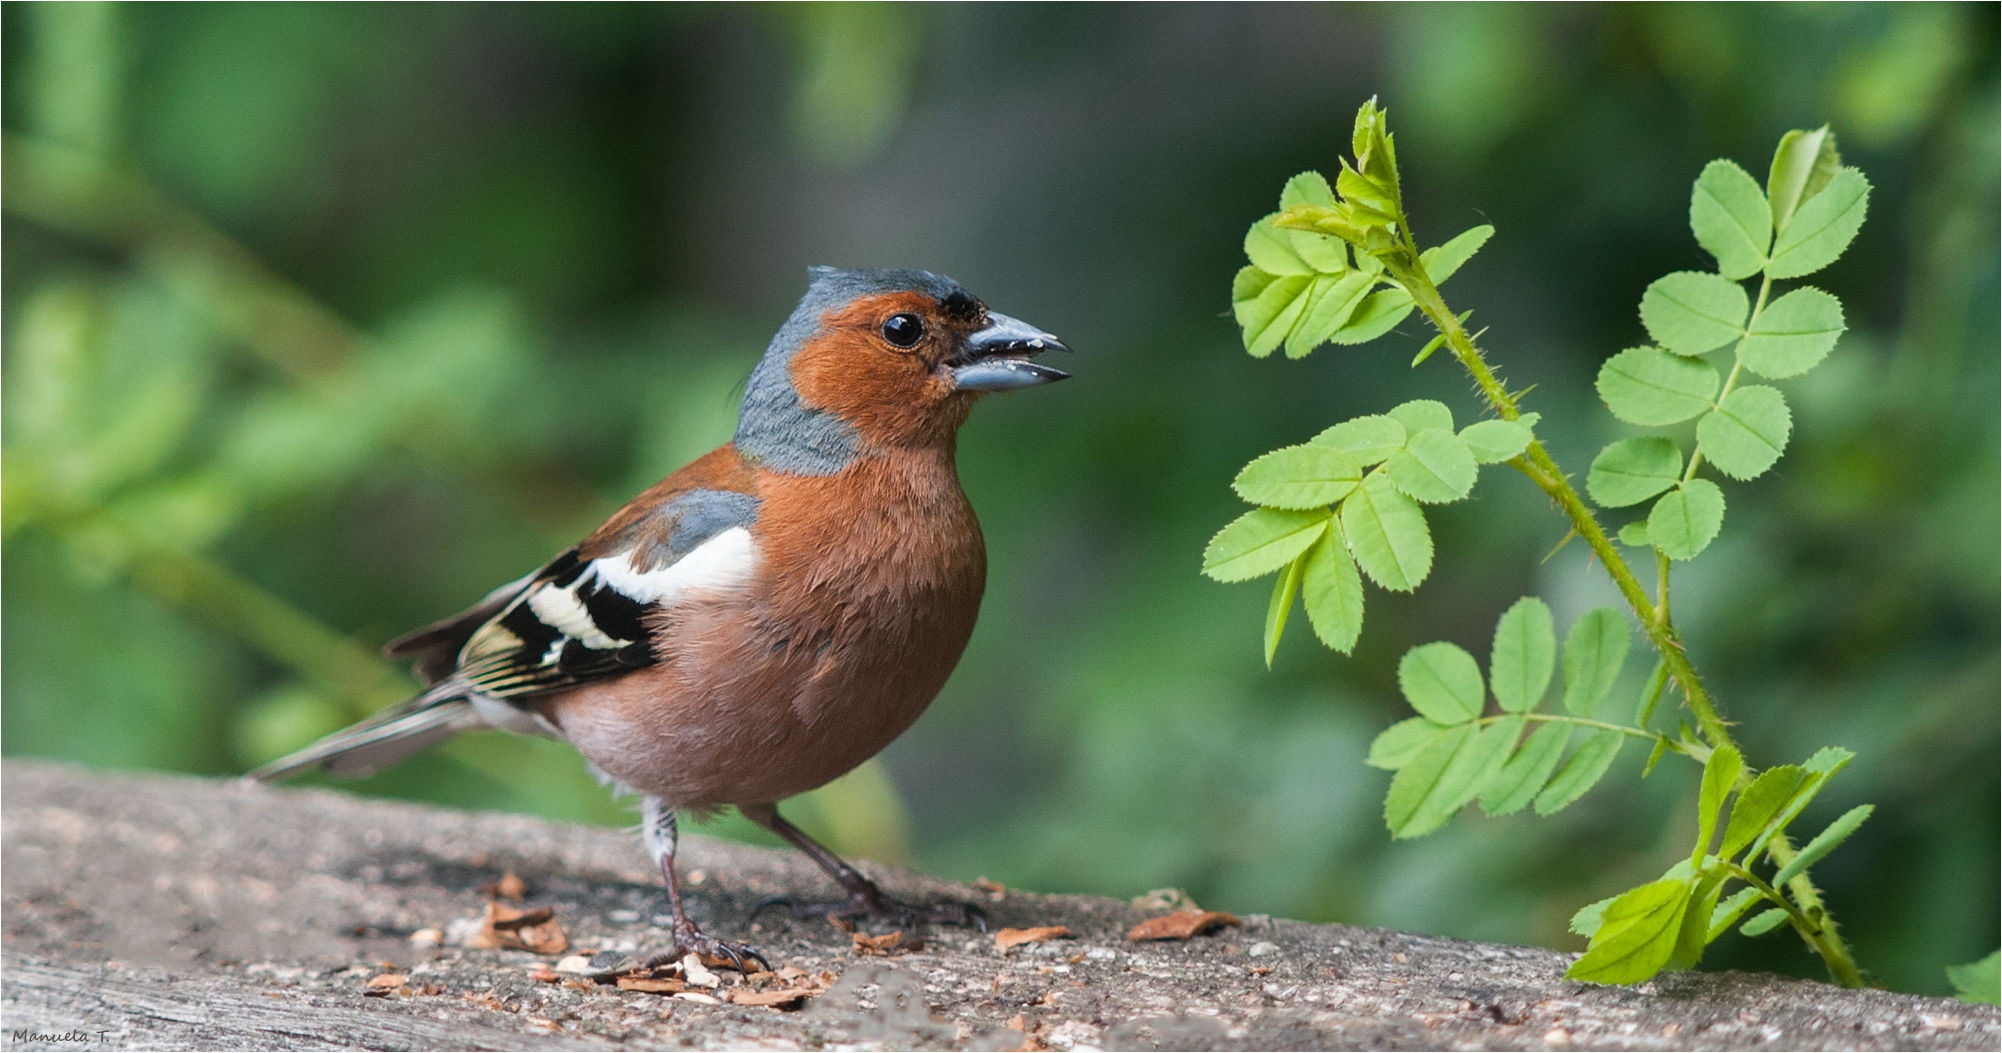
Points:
(768, 617)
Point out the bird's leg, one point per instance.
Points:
(657, 829)
(864, 897)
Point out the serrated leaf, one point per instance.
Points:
(1524, 655)
(1731, 909)
(1378, 314)
(1442, 261)
(1686, 519)
(1720, 774)
(1579, 774)
(1249, 282)
(1692, 312)
(1326, 253)
(1824, 842)
(1793, 334)
(1694, 933)
(1271, 315)
(1802, 165)
(1299, 477)
(1747, 432)
(1441, 779)
(1979, 982)
(1271, 249)
(1822, 227)
(1495, 441)
(1646, 385)
(1260, 542)
(1636, 935)
(1368, 439)
(1731, 218)
(1435, 466)
(1764, 922)
(1759, 805)
(1442, 682)
(1387, 533)
(1330, 303)
(1524, 774)
(1594, 651)
(1589, 917)
(1400, 742)
(1634, 535)
(1283, 590)
(1420, 414)
(1332, 591)
(1632, 470)
(1307, 188)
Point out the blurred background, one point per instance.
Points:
(323, 320)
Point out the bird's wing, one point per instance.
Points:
(581, 617)
(435, 648)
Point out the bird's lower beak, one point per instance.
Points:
(996, 358)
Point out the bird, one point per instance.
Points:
(768, 617)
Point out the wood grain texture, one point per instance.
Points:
(153, 911)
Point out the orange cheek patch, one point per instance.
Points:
(848, 370)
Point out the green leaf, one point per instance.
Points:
(1260, 542)
(1822, 227)
(1268, 317)
(1420, 414)
(1427, 791)
(1590, 916)
(1635, 936)
(1386, 530)
(1634, 535)
(1646, 385)
(1400, 742)
(1594, 651)
(1524, 655)
(1694, 933)
(1632, 470)
(1309, 476)
(1330, 303)
(1764, 922)
(1978, 982)
(1368, 439)
(1793, 334)
(1579, 774)
(1747, 432)
(1802, 167)
(1324, 252)
(1687, 519)
(1517, 783)
(1283, 590)
(1333, 591)
(1731, 219)
(1271, 250)
(1692, 312)
(1440, 262)
(1307, 188)
(1434, 466)
(1378, 314)
(1824, 842)
(1722, 915)
(1495, 441)
(1442, 682)
(1720, 774)
(1759, 805)
(1249, 282)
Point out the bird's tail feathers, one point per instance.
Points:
(379, 741)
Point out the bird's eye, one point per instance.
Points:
(904, 330)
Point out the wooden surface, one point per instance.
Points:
(151, 911)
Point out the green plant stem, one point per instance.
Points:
(1542, 469)
(1561, 718)
(1813, 925)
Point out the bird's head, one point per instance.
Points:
(880, 358)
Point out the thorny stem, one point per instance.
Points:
(1562, 718)
(1542, 469)
(1814, 926)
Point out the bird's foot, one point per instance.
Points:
(687, 940)
(869, 902)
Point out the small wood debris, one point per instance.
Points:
(545, 976)
(388, 982)
(520, 930)
(887, 943)
(508, 887)
(427, 937)
(696, 974)
(1007, 938)
(1181, 925)
(994, 890)
(576, 963)
(791, 972)
(696, 996)
(641, 983)
(780, 997)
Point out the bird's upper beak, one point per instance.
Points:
(996, 358)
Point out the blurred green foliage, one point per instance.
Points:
(325, 319)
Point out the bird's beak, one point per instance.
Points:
(997, 358)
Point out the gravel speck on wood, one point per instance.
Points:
(157, 911)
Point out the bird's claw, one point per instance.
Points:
(687, 940)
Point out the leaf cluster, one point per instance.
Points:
(1807, 214)
(1667, 923)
